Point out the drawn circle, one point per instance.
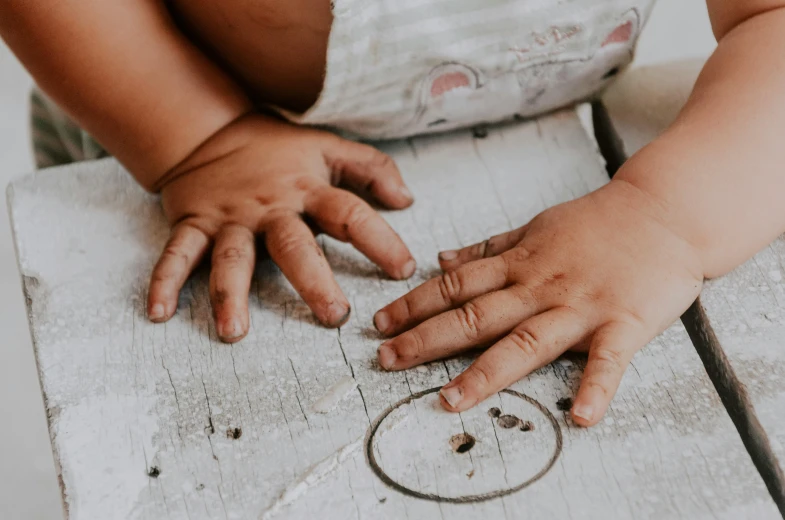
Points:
(384, 477)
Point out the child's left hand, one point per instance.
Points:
(605, 273)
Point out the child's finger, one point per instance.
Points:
(293, 247)
(533, 344)
(492, 247)
(476, 323)
(364, 168)
(234, 257)
(184, 250)
(611, 351)
(347, 217)
(441, 294)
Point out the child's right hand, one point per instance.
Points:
(261, 176)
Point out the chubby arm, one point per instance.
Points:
(719, 170)
(124, 71)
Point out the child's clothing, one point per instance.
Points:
(397, 68)
(56, 138)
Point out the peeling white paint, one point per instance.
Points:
(313, 476)
(334, 395)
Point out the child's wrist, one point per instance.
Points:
(210, 148)
(181, 159)
(654, 208)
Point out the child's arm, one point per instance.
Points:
(611, 270)
(124, 71)
(127, 75)
(720, 168)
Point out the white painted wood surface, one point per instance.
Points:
(747, 307)
(125, 396)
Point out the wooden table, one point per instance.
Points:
(297, 421)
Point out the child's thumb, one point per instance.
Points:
(610, 353)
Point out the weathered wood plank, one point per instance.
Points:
(745, 309)
(144, 418)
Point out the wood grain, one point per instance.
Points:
(144, 418)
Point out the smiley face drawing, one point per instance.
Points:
(498, 448)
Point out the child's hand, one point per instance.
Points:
(262, 176)
(603, 273)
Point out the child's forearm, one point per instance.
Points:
(127, 75)
(719, 171)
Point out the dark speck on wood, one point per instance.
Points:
(527, 426)
(508, 422)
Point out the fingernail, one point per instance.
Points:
(406, 193)
(231, 329)
(584, 411)
(381, 321)
(157, 312)
(448, 255)
(387, 356)
(453, 395)
(339, 314)
(408, 269)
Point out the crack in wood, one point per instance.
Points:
(239, 383)
(296, 395)
(734, 397)
(209, 411)
(300, 404)
(499, 447)
(351, 369)
(608, 139)
(168, 373)
(343, 353)
(365, 405)
(286, 420)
